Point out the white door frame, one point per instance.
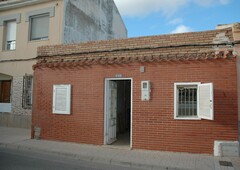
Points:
(105, 107)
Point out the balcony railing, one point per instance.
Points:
(11, 45)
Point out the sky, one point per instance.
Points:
(155, 17)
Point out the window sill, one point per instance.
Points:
(66, 114)
(40, 40)
(8, 50)
(187, 118)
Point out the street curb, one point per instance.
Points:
(89, 158)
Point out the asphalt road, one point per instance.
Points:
(31, 160)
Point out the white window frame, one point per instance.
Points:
(3, 21)
(198, 117)
(68, 99)
(10, 44)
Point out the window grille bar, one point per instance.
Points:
(185, 108)
(195, 100)
(182, 102)
(27, 91)
(180, 106)
(192, 102)
(187, 102)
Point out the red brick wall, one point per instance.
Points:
(153, 124)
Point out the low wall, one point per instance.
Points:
(16, 121)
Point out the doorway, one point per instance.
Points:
(5, 91)
(118, 112)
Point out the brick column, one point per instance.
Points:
(236, 36)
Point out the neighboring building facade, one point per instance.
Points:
(28, 24)
(174, 92)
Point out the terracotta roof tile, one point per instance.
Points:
(81, 61)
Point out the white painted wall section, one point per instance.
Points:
(226, 148)
(5, 107)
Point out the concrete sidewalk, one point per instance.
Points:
(20, 139)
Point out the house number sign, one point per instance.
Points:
(118, 75)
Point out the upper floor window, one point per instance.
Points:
(9, 23)
(39, 27)
(11, 28)
(39, 23)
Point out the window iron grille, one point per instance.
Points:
(27, 91)
(187, 101)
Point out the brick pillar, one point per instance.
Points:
(236, 36)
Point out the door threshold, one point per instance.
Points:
(127, 147)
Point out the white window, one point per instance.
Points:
(11, 28)
(39, 27)
(193, 101)
(62, 99)
(27, 91)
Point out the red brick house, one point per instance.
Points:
(175, 92)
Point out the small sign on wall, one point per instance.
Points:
(118, 75)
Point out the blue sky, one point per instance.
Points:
(154, 17)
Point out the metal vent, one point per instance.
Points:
(226, 163)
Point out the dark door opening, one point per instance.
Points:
(123, 113)
(5, 91)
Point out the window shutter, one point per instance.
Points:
(61, 99)
(205, 104)
(39, 27)
(11, 30)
